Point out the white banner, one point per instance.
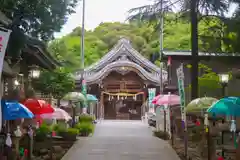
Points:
(4, 37)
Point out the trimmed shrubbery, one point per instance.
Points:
(85, 125)
(86, 118)
(42, 132)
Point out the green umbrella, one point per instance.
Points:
(75, 96)
(200, 104)
(91, 97)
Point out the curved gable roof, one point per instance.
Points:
(123, 46)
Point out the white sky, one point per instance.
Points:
(98, 11)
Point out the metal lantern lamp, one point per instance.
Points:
(35, 72)
(223, 78)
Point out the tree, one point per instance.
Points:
(38, 18)
(143, 37)
(58, 82)
(196, 7)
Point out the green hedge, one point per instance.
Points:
(86, 118)
(85, 128)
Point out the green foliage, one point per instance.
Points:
(38, 18)
(58, 82)
(85, 128)
(42, 132)
(86, 118)
(143, 37)
(59, 128)
(44, 128)
(73, 131)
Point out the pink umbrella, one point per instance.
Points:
(154, 101)
(171, 100)
(57, 114)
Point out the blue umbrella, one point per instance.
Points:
(91, 97)
(15, 110)
(229, 106)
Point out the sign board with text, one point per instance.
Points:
(180, 77)
(4, 37)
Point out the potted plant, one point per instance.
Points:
(71, 134)
(42, 132)
(86, 118)
(85, 128)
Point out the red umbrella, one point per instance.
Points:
(37, 106)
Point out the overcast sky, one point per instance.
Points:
(98, 11)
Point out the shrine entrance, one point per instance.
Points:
(122, 95)
(123, 105)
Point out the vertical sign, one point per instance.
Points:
(84, 92)
(180, 76)
(151, 95)
(4, 37)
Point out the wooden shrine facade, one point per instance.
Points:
(121, 80)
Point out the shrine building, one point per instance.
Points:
(120, 80)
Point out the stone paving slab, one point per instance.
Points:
(121, 140)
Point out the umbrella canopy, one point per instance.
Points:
(57, 114)
(229, 106)
(75, 96)
(37, 106)
(15, 110)
(91, 97)
(200, 104)
(154, 101)
(171, 100)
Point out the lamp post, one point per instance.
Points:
(223, 78)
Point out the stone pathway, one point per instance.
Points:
(121, 140)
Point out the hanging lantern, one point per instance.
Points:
(122, 98)
(9, 140)
(109, 98)
(233, 126)
(206, 123)
(30, 132)
(197, 122)
(25, 153)
(37, 125)
(126, 97)
(117, 97)
(18, 132)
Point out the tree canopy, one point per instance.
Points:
(58, 82)
(143, 36)
(38, 18)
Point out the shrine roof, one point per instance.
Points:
(120, 56)
(123, 46)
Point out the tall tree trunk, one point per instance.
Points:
(194, 44)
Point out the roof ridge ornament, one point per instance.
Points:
(123, 58)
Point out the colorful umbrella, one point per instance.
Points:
(57, 114)
(154, 101)
(15, 110)
(91, 97)
(37, 106)
(229, 106)
(75, 96)
(200, 104)
(171, 100)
